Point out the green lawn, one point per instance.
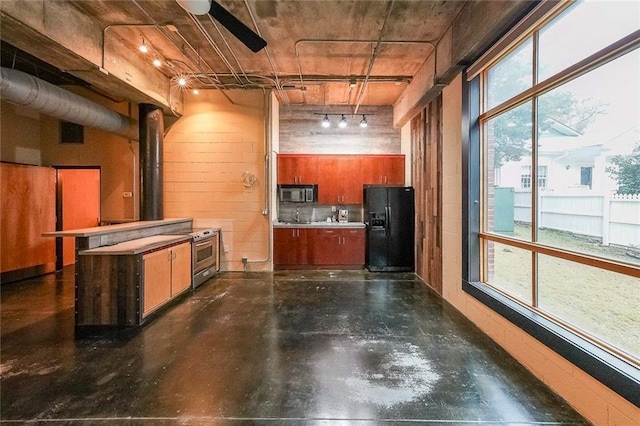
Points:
(602, 303)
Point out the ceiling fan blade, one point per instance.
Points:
(243, 33)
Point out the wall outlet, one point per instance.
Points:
(127, 194)
(333, 209)
(226, 248)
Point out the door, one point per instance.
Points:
(180, 268)
(375, 213)
(77, 205)
(400, 227)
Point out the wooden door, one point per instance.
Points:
(297, 169)
(180, 268)
(353, 246)
(157, 280)
(78, 200)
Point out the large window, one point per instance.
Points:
(559, 123)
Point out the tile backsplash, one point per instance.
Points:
(312, 212)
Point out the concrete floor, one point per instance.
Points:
(266, 348)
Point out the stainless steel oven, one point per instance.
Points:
(205, 254)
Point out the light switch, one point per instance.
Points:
(127, 194)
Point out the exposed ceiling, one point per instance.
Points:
(327, 52)
(319, 52)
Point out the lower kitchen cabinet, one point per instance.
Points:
(167, 273)
(318, 248)
(124, 289)
(340, 248)
(290, 247)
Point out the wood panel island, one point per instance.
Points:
(126, 272)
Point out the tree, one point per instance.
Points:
(512, 130)
(626, 170)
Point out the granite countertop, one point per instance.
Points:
(99, 230)
(322, 224)
(137, 246)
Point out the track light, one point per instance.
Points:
(157, 62)
(363, 122)
(343, 122)
(196, 91)
(143, 47)
(325, 121)
(182, 81)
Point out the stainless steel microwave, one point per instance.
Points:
(298, 193)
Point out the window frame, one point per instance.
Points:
(605, 365)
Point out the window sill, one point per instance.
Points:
(620, 376)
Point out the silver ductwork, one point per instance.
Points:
(28, 91)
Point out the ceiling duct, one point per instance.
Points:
(28, 91)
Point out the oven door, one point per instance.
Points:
(204, 254)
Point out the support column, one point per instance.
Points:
(151, 138)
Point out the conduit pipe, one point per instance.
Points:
(28, 91)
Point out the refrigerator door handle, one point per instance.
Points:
(388, 212)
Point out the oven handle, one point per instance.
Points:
(205, 243)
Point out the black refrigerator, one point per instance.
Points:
(389, 215)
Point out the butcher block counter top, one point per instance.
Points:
(100, 230)
(139, 245)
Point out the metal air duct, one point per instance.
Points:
(28, 91)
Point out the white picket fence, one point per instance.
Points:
(615, 219)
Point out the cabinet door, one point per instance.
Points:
(352, 248)
(297, 169)
(383, 169)
(290, 246)
(157, 280)
(339, 179)
(394, 170)
(325, 247)
(180, 268)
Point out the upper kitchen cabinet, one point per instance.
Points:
(383, 169)
(297, 169)
(339, 179)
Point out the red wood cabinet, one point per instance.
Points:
(383, 169)
(338, 247)
(290, 246)
(339, 179)
(297, 169)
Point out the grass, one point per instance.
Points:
(604, 304)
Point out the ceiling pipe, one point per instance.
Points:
(346, 79)
(30, 92)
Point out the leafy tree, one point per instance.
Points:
(512, 130)
(626, 170)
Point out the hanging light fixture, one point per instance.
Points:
(143, 47)
(182, 81)
(196, 91)
(363, 122)
(325, 121)
(343, 122)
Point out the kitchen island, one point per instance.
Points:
(318, 245)
(128, 271)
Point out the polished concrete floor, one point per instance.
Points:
(266, 348)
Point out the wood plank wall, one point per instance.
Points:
(426, 139)
(28, 208)
(301, 131)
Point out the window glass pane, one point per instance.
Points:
(587, 129)
(512, 75)
(583, 29)
(602, 303)
(508, 154)
(509, 269)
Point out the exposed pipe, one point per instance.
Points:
(26, 90)
(151, 163)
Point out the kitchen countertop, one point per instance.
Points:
(137, 246)
(99, 230)
(323, 224)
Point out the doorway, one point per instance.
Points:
(77, 206)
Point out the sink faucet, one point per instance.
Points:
(296, 215)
